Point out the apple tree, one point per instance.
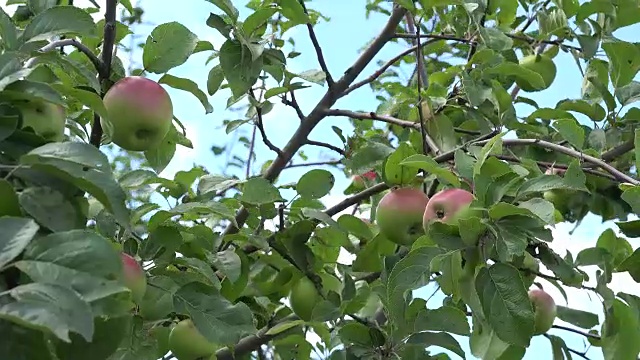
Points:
(459, 176)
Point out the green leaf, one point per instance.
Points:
(8, 32)
(315, 184)
(229, 263)
(570, 131)
(31, 90)
(292, 10)
(218, 22)
(49, 307)
(91, 287)
(505, 303)
(620, 332)
(580, 318)
(239, 68)
(408, 273)
(495, 39)
(160, 156)
(441, 339)
(188, 86)
(87, 98)
(508, 68)
(258, 191)
(593, 111)
(59, 20)
(217, 319)
(258, 19)
(629, 93)
(51, 209)
(65, 165)
(227, 7)
(284, 326)
(206, 208)
(314, 76)
(444, 318)
(11, 69)
(394, 173)
(429, 165)
(108, 334)
(632, 197)
(625, 61)
(632, 265)
(9, 206)
(169, 45)
(15, 236)
(214, 80)
(214, 183)
(82, 250)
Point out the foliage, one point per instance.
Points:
(69, 208)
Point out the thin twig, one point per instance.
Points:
(579, 332)
(325, 145)
(251, 147)
(97, 63)
(316, 46)
(294, 104)
(532, 18)
(318, 163)
(260, 125)
(474, 43)
(373, 116)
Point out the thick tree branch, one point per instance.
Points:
(103, 74)
(316, 46)
(319, 111)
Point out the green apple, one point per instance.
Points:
(545, 310)
(187, 343)
(530, 263)
(140, 113)
(303, 298)
(399, 215)
(134, 277)
(543, 66)
(45, 118)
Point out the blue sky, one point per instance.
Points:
(341, 39)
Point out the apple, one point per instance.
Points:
(134, 277)
(545, 310)
(140, 113)
(45, 118)
(399, 215)
(187, 343)
(448, 206)
(530, 263)
(543, 66)
(303, 298)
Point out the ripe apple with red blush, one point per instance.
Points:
(133, 277)
(399, 214)
(545, 310)
(140, 113)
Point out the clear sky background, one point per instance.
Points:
(341, 39)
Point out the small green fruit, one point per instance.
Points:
(545, 310)
(399, 215)
(45, 118)
(303, 298)
(543, 66)
(187, 343)
(134, 277)
(140, 113)
(530, 263)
